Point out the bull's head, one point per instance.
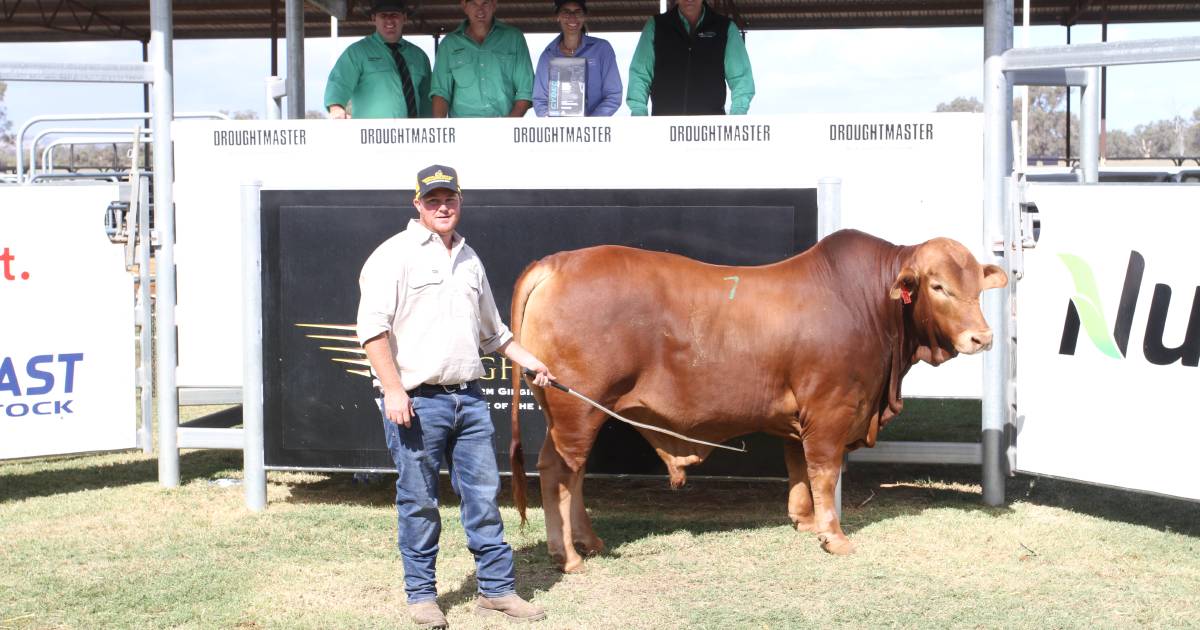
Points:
(942, 280)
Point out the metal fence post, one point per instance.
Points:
(254, 475)
(829, 220)
(829, 206)
(294, 17)
(997, 164)
(161, 42)
(1089, 127)
(145, 314)
(276, 90)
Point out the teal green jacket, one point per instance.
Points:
(737, 71)
(365, 77)
(483, 80)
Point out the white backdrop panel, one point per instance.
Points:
(905, 177)
(66, 324)
(1092, 414)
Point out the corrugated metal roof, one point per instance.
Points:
(59, 20)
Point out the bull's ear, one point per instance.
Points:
(906, 281)
(994, 277)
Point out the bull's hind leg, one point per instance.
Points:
(824, 465)
(584, 537)
(800, 498)
(558, 481)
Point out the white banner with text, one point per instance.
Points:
(66, 324)
(1109, 337)
(905, 177)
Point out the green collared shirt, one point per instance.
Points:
(737, 70)
(483, 80)
(365, 76)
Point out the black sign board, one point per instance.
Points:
(319, 407)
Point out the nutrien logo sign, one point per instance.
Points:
(1086, 308)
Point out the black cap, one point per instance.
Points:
(398, 6)
(436, 176)
(558, 4)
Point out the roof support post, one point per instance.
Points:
(163, 107)
(997, 166)
(294, 14)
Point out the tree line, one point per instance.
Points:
(1177, 137)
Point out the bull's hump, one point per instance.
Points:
(663, 259)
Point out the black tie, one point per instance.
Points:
(410, 95)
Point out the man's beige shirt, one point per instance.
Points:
(438, 308)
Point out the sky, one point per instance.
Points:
(816, 71)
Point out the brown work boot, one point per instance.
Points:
(510, 607)
(426, 614)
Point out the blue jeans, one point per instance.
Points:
(455, 429)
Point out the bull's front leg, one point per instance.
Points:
(800, 500)
(824, 464)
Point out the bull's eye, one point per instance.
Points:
(938, 288)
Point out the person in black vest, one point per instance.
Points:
(683, 61)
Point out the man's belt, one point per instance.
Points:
(430, 389)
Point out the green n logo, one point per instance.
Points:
(1085, 308)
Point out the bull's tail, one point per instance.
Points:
(534, 274)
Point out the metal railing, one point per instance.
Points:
(104, 136)
(20, 137)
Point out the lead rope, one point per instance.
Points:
(641, 425)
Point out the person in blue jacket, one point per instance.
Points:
(603, 80)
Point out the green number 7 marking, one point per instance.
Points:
(735, 285)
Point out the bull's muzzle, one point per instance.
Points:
(973, 341)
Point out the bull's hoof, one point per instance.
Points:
(590, 548)
(573, 566)
(836, 544)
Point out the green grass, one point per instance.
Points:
(936, 420)
(94, 542)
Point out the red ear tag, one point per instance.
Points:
(905, 296)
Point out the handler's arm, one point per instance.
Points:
(395, 400)
(519, 355)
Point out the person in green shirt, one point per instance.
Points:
(683, 61)
(483, 68)
(381, 75)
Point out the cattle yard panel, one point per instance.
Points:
(1002, 66)
(317, 397)
(881, 156)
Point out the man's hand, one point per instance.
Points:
(338, 112)
(544, 376)
(441, 107)
(398, 406)
(519, 108)
(524, 358)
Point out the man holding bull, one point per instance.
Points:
(426, 312)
